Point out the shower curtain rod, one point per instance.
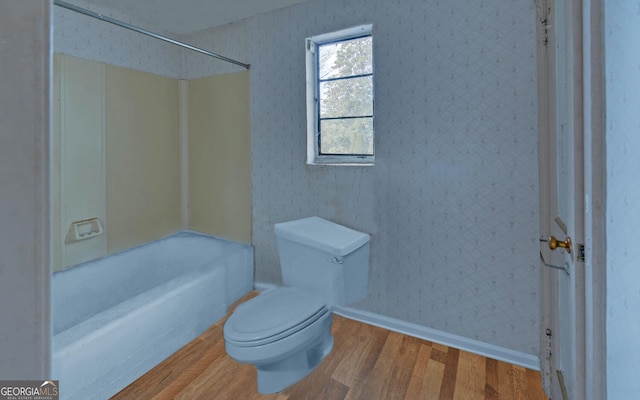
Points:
(110, 20)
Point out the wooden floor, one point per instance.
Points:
(367, 362)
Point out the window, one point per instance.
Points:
(340, 97)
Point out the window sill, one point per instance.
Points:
(343, 164)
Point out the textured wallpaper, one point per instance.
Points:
(452, 202)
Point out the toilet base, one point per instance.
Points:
(276, 376)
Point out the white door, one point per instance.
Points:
(562, 199)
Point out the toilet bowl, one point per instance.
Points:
(285, 335)
(286, 332)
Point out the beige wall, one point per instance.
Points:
(79, 167)
(143, 157)
(220, 156)
(155, 183)
(116, 156)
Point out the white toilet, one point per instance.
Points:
(286, 332)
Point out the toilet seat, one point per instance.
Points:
(272, 316)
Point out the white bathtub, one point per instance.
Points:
(117, 317)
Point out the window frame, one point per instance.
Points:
(314, 157)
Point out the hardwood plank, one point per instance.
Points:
(470, 377)
(440, 347)
(224, 378)
(534, 385)
(419, 374)
(438, 355)
(375, 384)
(320, 383)
(491, 385)
(506, 391)
(433, 380)
(511, 378)
(403, 366)
(518, 379)
(449, 377)
(190, 375)
(354, 343)
(354, 370)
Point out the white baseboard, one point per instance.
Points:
(445, 338)
(432, 335)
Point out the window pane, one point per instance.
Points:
(346, 58)
(347, 136)
(346, 97)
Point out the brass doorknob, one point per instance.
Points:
(555, 243)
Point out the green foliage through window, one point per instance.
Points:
(345, 92)
(340, 97)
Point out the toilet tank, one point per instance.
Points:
(327, 260)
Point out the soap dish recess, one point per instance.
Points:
(84, 229)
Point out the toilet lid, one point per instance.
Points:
(271, 316)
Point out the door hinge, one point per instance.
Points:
(545, 35)
(580, 252)
(546, 352)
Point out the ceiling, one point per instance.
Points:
(187, 16)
